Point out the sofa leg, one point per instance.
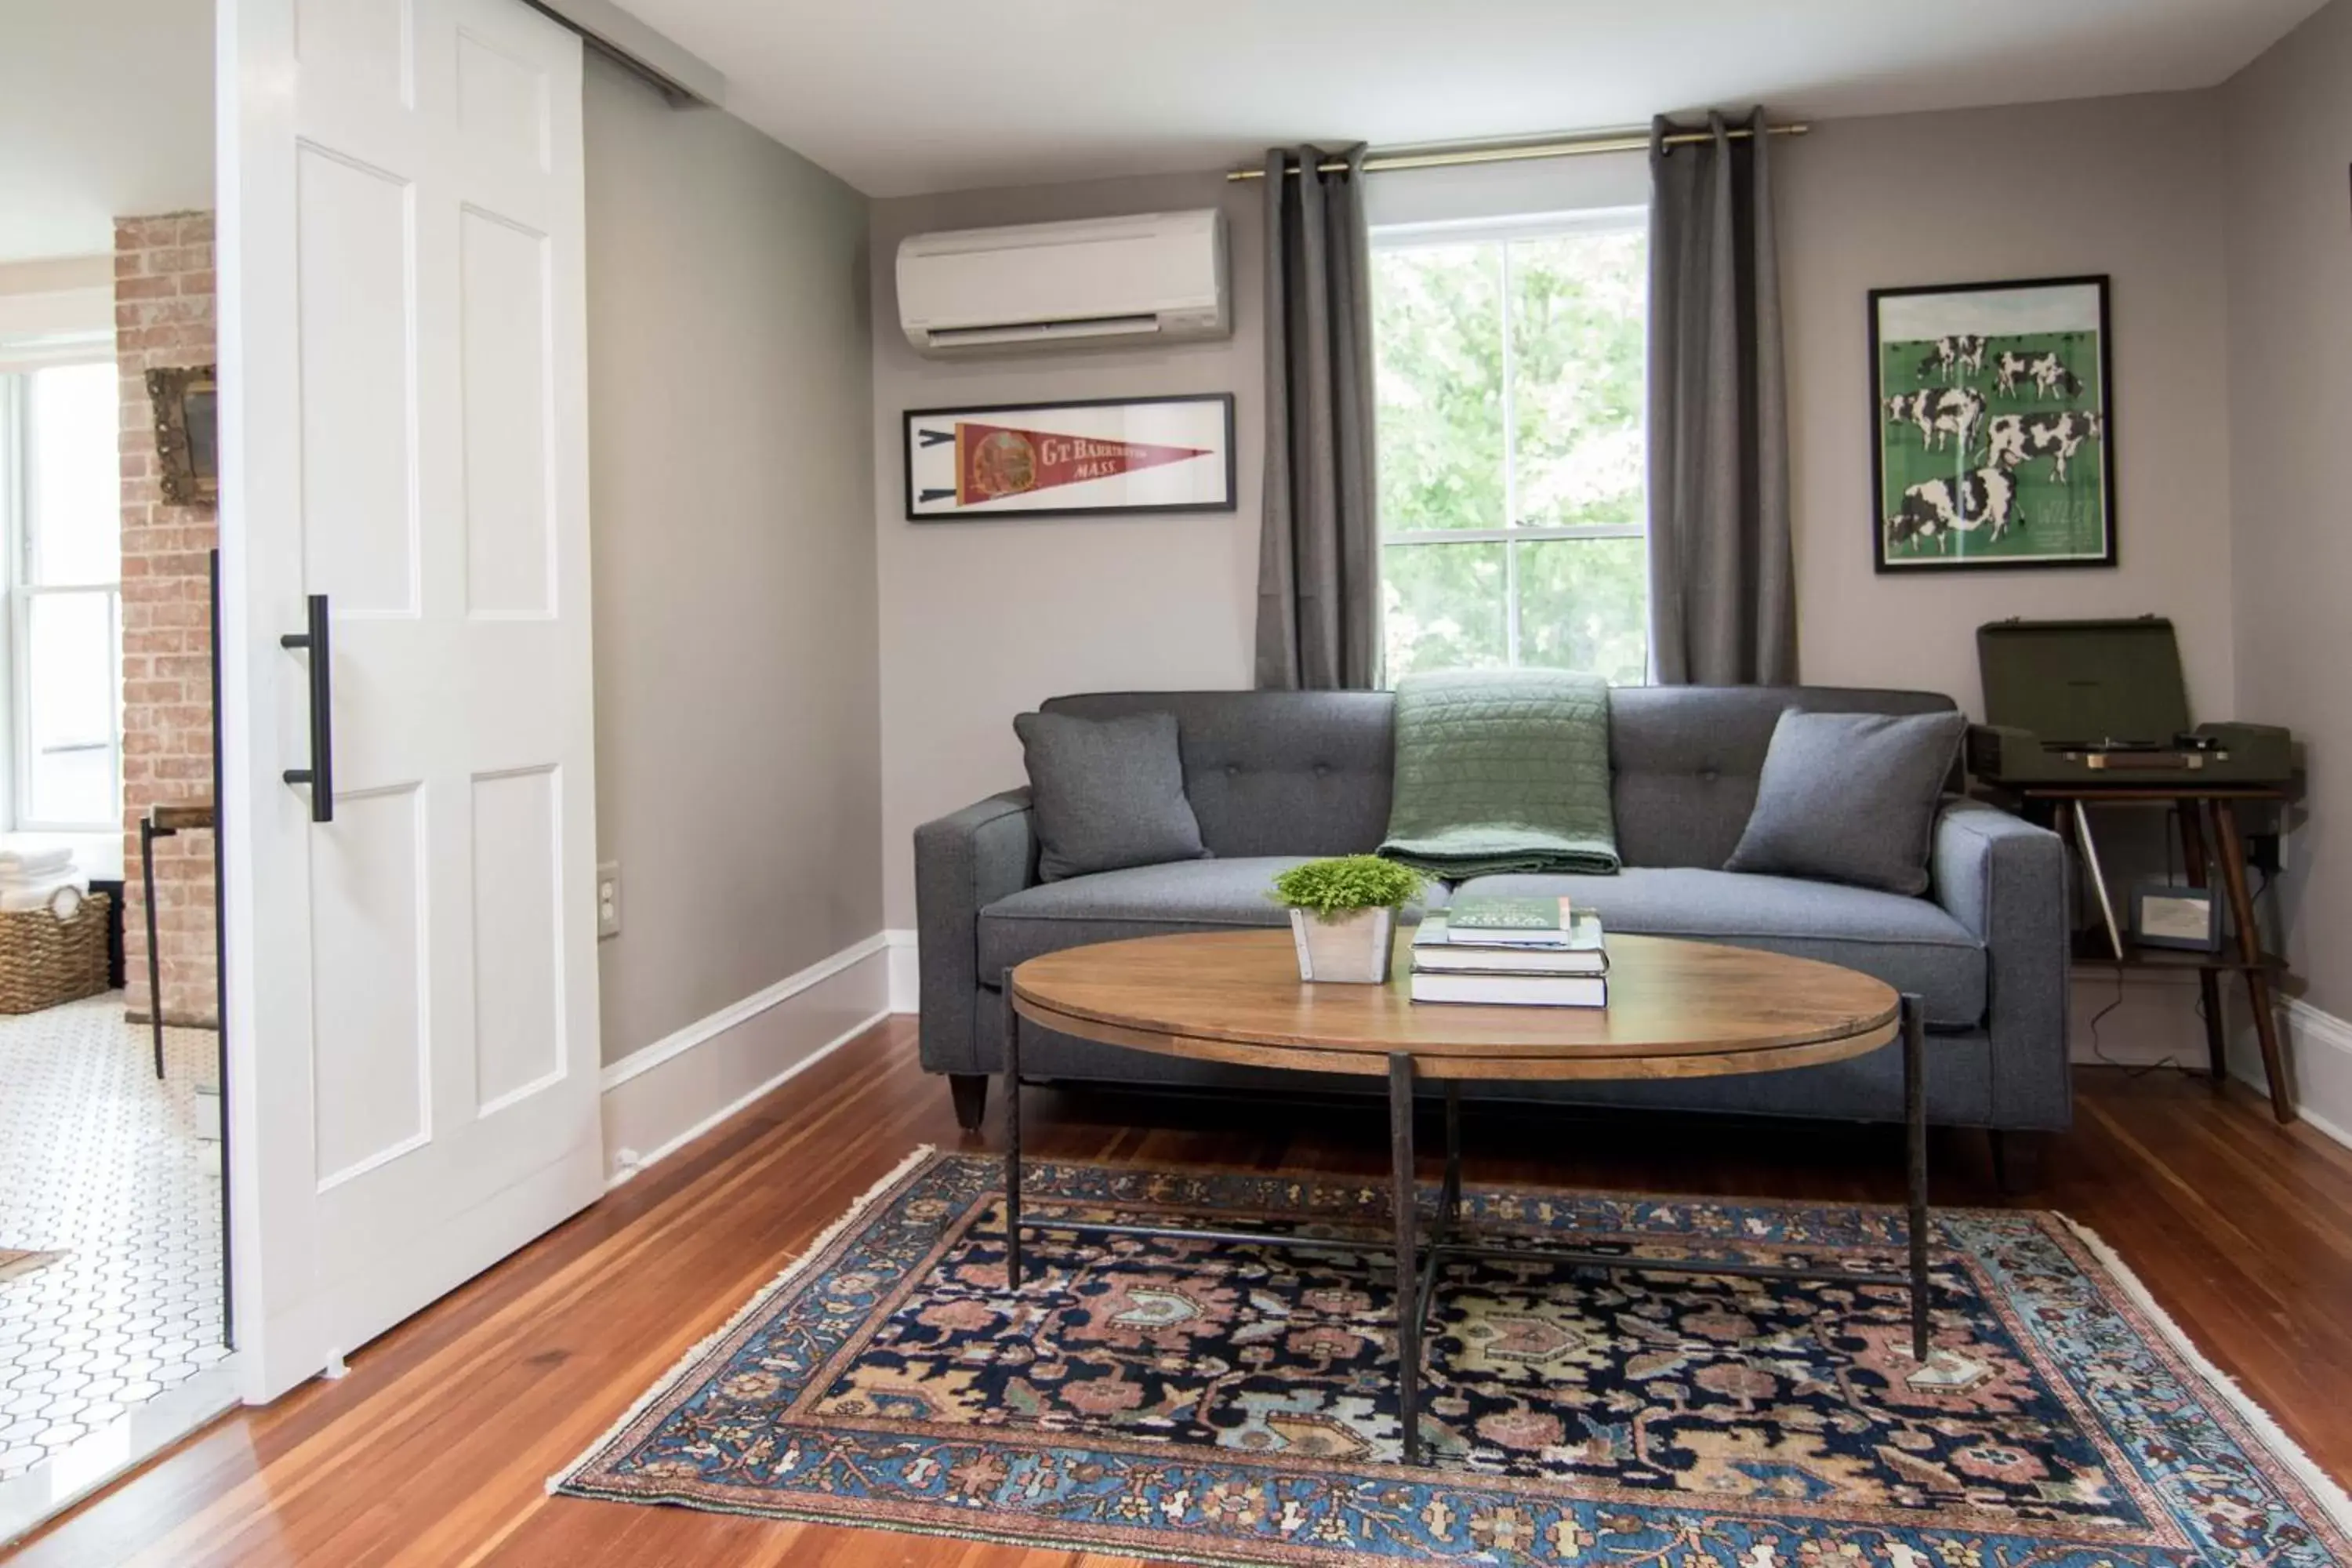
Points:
(971, 1092)
(2016, 1160)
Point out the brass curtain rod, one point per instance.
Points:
(1563, 147)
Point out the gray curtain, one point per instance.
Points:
(1723, 607)
(1319, 551)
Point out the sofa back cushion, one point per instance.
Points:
(1307, 772)
(1684, 760)
(1273, 772)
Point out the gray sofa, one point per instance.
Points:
(1274, 777)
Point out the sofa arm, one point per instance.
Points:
(2005, 881)
(963, 863)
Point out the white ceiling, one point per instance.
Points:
(106, 109)
(899, 96)
(105, 105)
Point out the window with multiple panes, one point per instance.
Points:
(60, 490)
(1510, 362)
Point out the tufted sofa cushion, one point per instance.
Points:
(1141, 900)
(1273, 772)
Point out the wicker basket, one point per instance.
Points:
(53, 955)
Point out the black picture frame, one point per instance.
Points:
(2181, 900)
(1230, 500)
(2102, 403)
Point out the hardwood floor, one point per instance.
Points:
(436, 1448)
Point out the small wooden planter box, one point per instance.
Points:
(1352, 948)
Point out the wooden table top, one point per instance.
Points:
(1676, 1009)
(176, 815)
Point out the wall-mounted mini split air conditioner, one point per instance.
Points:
(1095, 282)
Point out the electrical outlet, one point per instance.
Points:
(608, 899)
(2266, 852)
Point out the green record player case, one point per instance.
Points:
(2104, 703)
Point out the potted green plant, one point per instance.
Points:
(1343, 915)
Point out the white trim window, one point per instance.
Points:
(61, 503)
(1512, 498)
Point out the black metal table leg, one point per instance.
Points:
(147, 837)
(1408, 1259)
(1915, 1120)
(1449, 1200)
(1012, 1139)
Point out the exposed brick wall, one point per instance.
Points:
(163, 316)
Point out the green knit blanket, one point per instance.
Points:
(1502, 769)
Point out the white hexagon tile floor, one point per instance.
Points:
(101, 1162)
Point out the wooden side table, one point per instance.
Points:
(163, 821)
(2071, 804)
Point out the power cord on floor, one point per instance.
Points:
(2143, 1069)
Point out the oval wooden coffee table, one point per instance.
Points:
(1676, 1009)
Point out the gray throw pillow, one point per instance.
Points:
(1106, 793)
(1851, 798)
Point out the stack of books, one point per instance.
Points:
(1530, 952)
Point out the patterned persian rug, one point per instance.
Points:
(1236, 1405)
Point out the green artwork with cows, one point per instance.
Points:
(1995, 448)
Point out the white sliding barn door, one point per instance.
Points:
(413, 994)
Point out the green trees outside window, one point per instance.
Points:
(1510, 389)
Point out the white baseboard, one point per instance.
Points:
(906, 987)
(2150, 1018)
(2318, 1049)
(659, 1098)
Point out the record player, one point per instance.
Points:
(2094, 704)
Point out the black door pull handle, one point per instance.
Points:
(320, 775)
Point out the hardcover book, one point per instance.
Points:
(1512, 990)
(1493, 918)
(1436, 948)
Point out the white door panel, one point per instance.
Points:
(509, 380)
(404, 431)
(357, 322)
(372, 1068)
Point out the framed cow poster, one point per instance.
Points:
(1994, 426)
(1070, 460)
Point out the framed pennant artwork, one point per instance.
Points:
(1994, 426)
(1070, 459)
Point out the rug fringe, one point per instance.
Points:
(1189, 1556)
(702, 1347)
(2323, 1487)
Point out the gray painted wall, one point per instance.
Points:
(738, 756)
(2128, 186)
(981, 620)
(2290, 315)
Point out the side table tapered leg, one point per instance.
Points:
(1408, 1254)
(2250, 952)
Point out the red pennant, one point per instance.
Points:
(993, 460)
